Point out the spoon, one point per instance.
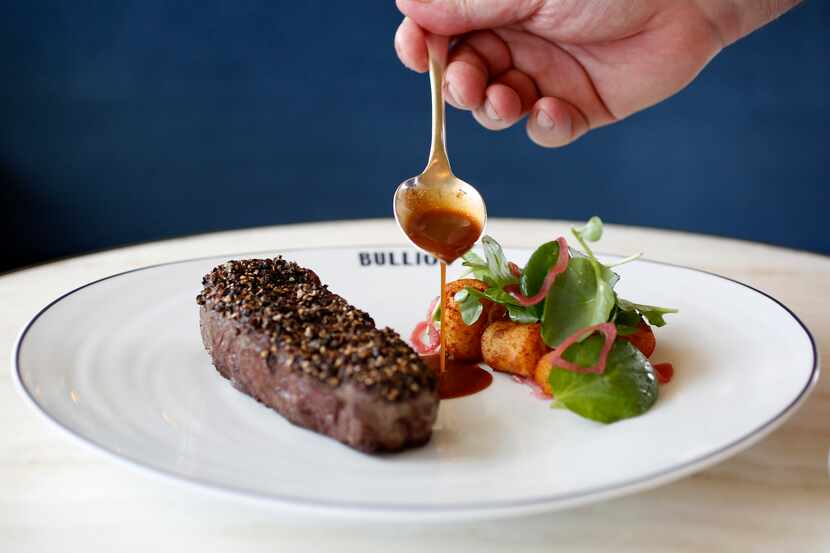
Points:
(439, 213)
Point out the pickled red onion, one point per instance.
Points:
(431, 309)
(559, 267)
(434, 339)
(514, 269)
(664, 372)
(555, 358)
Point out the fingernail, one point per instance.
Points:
(491, 111)
(453, 93)
(543, 120)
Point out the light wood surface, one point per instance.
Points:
(56, 496)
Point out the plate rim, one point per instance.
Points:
(454, 511)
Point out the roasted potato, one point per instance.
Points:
(513, 347)
(464, 342)
(541, 374)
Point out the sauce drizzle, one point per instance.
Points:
(447, 234)
(443, 348)
(458, 379)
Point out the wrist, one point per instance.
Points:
(735, 19)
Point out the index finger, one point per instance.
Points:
(411, 46)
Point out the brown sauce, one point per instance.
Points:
(445, 233)
(458, 379)
(443, 364)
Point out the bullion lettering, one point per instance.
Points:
(394, 258)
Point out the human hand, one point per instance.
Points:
(572, 65)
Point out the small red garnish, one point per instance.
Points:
(643, 339)
(555, 359)
(559, 267)
(417, 341)
(664, 372)
(514, 269)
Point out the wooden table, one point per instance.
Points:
(56, 496)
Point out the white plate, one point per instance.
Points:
(119, 365)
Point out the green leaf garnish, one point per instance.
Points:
(498, 295)
(536, 270)
(625, 330)
(627, 322)
(521, 314)
(472, 258)
(592, 230)
(469, 304)
(653, 313)
(627, 387)
(580, 297)
(478, 267)
(627, 318)
(493, 269)
(497, 263)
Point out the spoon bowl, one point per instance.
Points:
(442, 217)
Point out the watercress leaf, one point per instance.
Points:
(469, 301)
(469, 305)
(627, 387)
(484, 276)
(472, 258)
(625, 330)
(592, 230)
(585, 353)
(478, 267)
(496, 262)
(536, 270)
(608, 275)
(627, 322)
(653, 313)
(521, 314)
(627, 318)
(498, 295)
(471, 311)
(537, 267)
(579, 297)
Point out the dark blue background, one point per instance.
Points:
(136, 120)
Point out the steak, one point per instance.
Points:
(285, 339)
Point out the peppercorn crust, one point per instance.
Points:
(314, 331)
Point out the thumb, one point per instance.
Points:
(453, 17)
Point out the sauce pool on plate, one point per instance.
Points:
(458, 379)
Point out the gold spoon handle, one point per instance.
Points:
(439, 164)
